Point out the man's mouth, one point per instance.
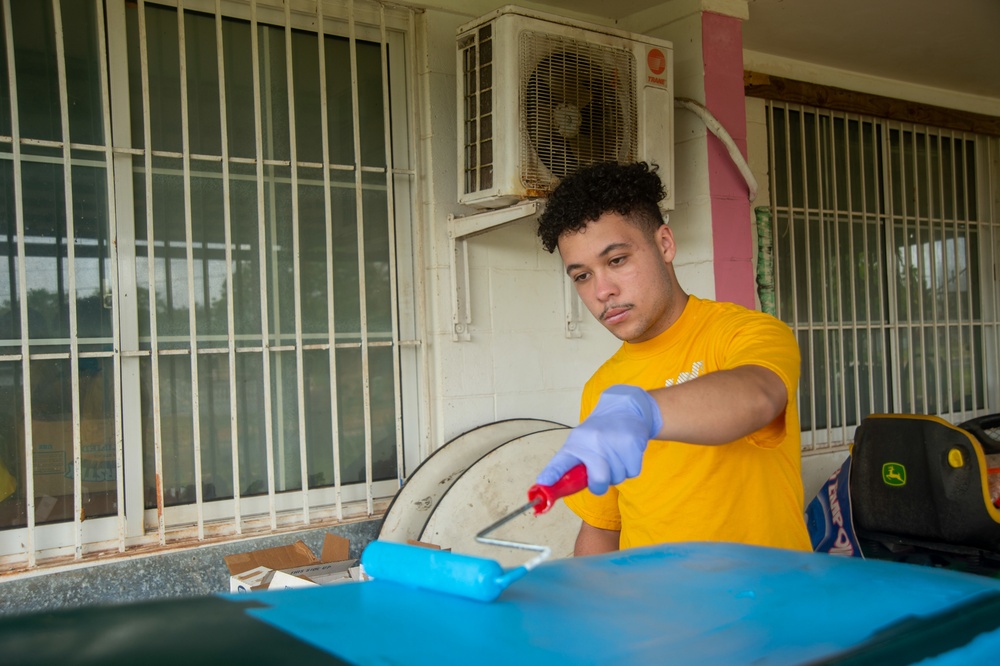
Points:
(612, 314)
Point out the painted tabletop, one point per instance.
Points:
(696, 603)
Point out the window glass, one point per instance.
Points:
(36, 70)
(5, 124)
(69, 283)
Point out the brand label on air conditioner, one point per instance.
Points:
(656, 67)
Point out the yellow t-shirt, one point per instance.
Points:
(747, 491)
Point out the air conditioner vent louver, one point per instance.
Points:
(476, 52)
(577, 107)
(540, 96)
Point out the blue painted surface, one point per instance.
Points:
(686, 603)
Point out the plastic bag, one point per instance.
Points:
(828, 516)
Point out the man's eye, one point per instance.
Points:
(580, 277)
(615, 261)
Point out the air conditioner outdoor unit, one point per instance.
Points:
(540, 96)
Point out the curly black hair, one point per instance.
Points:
(631, 190)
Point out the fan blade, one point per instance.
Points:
(573, 115)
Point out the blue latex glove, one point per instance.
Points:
(611, 441)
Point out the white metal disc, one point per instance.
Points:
(493, 487)
(415, 502)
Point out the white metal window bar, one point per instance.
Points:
(219, 518)
(886, 267)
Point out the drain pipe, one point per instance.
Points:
(422, 233)
(762, 214)
(716, 128)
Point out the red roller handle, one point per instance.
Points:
(571, 482)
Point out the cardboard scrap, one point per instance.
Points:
(294, 565)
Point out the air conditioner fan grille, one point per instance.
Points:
(578, 107)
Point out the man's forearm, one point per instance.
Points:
(722, 406)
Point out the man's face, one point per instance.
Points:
(624, 277)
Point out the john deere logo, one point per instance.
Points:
(893, 474)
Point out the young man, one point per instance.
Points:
(690, 430)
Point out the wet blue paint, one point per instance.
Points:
(438, 570)
(686, 603)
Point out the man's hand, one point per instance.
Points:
(611, 441)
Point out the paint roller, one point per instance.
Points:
(462, 575)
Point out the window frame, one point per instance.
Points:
(392, 28)
(837, 436)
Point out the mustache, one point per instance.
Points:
(614, 306)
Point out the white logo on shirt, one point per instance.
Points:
(685, 376)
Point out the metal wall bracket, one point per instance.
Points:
(571, 306)
(460, 229)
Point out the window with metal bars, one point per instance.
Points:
(885, 266)
(200, 323)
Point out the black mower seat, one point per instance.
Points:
(920, 477)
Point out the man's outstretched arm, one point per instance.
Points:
(713, 409)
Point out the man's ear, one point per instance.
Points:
(665, 243)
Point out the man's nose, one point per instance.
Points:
(605, 286)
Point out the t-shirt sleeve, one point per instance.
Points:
(760, 339)
(597, 510)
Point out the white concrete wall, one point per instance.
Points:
(766, 63)
(519, 362)
(691, 219)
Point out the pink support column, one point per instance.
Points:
(722, 52)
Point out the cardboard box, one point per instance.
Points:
(52, 439)
(285, 567)
(52, 456)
